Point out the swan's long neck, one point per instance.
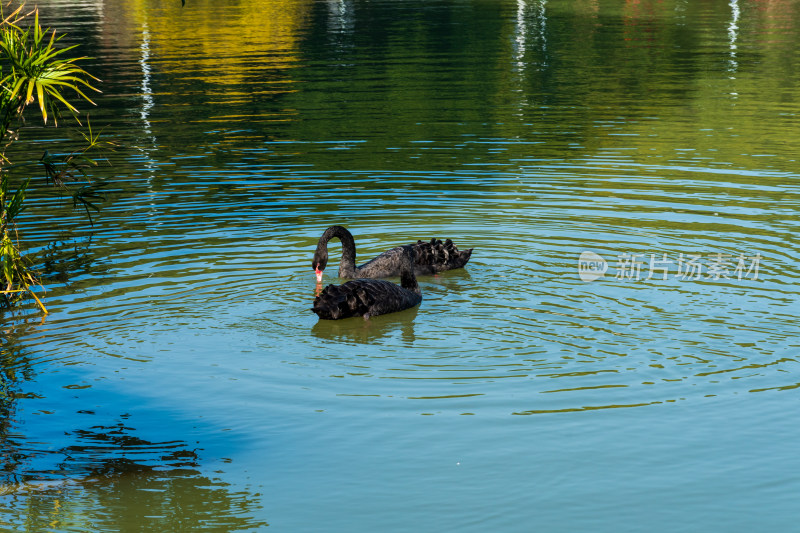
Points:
(347, 266)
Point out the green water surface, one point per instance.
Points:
(180, 382)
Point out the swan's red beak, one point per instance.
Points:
(318, 272)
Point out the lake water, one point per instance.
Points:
(180, 381)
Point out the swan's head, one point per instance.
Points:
(319, 263)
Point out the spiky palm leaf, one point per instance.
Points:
(38, 72)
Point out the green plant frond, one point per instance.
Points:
(4, 83)
(51, 52)
(16, 88)
(42, 33)
(10, 258)
(31, 86)
(53, 83)
(71, 76)
(77, 90)
(38, 301)
(41, 70)
(44, 55)
(57, 95)
(15, 207)
(18, 277)
(12, 19)
(91, 138)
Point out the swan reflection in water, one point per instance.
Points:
(397, 328)
(438, 290)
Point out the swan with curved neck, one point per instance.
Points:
(429, 257)
(371, 297)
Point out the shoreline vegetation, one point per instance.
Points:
(33, 70)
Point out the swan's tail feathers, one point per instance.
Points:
(436, 256)
(343, 301)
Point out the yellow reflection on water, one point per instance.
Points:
(226, 44)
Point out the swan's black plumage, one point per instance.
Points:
(371, 297)
(430, 257)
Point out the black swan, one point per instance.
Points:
(371, 297)
(430, 257)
